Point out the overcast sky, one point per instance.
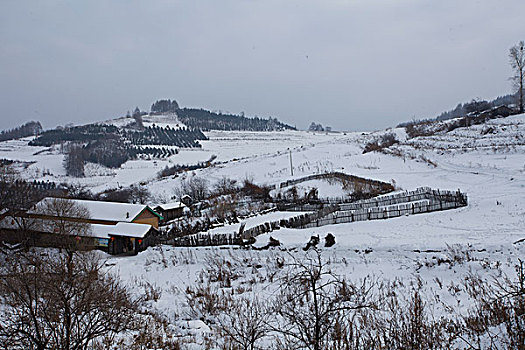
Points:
(349, 64)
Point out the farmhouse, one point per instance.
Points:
(116, 228)
(105, 213)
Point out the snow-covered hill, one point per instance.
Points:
(485, 161)
(488, 166)
(162, 121)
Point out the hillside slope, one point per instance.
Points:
(435, 254)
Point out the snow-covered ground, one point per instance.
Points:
(488, 166)
(487, 169)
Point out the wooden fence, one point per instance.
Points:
(206, 239)
(359, 186)
(405, 197)
(421, 200)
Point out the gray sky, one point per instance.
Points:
(350, 64)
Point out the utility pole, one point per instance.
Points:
(291, 165)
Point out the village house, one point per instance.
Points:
(117, 228)
(105, 213)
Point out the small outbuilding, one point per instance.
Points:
(170, 211)
(129, 238)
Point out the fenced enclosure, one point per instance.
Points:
(357, 188)
(378, 185)
(421, 200)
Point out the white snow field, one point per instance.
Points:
(489, 167)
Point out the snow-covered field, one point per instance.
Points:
(489, 167)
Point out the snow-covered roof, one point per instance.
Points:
(49, 225)
(129, 229)
(95, 230)
(100, 231)
(99, 210)
(171, 206)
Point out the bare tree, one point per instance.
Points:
(16, 194)
(53, 300)
(225, 186)
(517, 62)
(16, 197)
(140, 194)
(78, 191)
(7, 181)
(55, 222)
(138, 119)
(313, 301)
(74, 161)
(195, 187)
(244, 323)
(67, 218)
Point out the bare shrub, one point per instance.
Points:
(310, 307)
(61, 301)
(186, 257)
(497, 318)
(121, 195)
(153, 333)
(388, 140)
(418, 129)
(408, 324)
(134, 194)
(220, 269)
(151, 291)
(205, 300)
(223, 207)
(372, 146)
(78, 191)
(457, 254)
(428, 161)
(255, 191)
(385, 141)
(292, 194)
